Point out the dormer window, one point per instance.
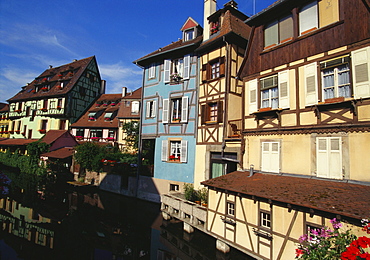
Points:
(215, 27)
(189, 34)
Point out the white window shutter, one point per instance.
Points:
(164, 153)
(167, 71)
(308, 18)
(335, 158)
(154, 112)
(284, 89)
(147, 114)
(184, 109)
(361, 72)
(252, 96)
(186, 74)
(184, 151)
(322, 157)
(310, 83)
(165, 110)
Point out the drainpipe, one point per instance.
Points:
(140, 142)
(227, 87)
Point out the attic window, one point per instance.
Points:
(189, 34)
(215, 27)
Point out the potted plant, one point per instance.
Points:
(42, 131)
(203, 196)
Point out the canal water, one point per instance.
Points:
(88, 223)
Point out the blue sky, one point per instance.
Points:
(37, 33)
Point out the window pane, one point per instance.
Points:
(328, 12)
(286, 28)
(218, 169)
(308, 18)
(271, 34)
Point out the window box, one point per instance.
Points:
(11, 132)
(264, 109)
(44, 89)
(33, 91)
(59, 107)
(109, 138)
(17, 131)
(23, 133)
(42, 131)
(174, 158)
(91, 118)
(44, 80)
(43, 109)
(334, 100)
(79, 137)
(175, 77)
(95, 138)
(18, 110)
(105, 104)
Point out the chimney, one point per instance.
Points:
(50, 66)
(124, 91)
(209, 8)
(102, 86)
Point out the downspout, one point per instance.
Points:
(140, 142)
(227, 86)
(245, 141)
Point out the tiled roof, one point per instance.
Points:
(230, 24)
(53, 135)
(77, 67)
(124, 111)
(16, 142)
(171, 47)
(337, 197)
(60, 153)
(100, 111)
(4, 107)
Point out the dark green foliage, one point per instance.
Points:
(132, 134)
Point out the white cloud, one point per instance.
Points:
(118, 75)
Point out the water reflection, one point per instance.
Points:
(92, 224)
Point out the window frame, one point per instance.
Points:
(265, 220)
(168, 108)
(152, 71)
(230, 209)
(334, 64)
(207, 74)
(206, 112)
(275, 27)
(167, 147)
(151, 107)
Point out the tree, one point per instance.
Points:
(132, 135)
(89, 156)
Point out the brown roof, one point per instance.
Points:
(17, 141)
(55, 75)
(52, 135)
(171, 47)
(125, 111)
(347, 199)
(233, 22)
(4, 107)
(60, 153)
(100, 109)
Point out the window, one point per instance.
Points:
(177, 69)
(279, 31)
(269, 92)
(175, 110)
(92, 116)
(317, 14)
(62, 124)
(329, 157)
(80, 132)
(108, 116)
(274, 92)
(174, 150)
(60, 103)
(270, 160)
(265, 219)
(45, 104)
(230, 208)
(221, 165)
(215, 27)
(44, 124)
(151, 108)
(135, 107)
(151, 72)
(212, 112)
(111, 133)
(213, 69)
(96, 133)
(189, 34)
(174, 187)
(336, 78)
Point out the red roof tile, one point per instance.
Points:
(16, 141)
(60, 153)
(347, 199)
(77, 67)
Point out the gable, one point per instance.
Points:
(190, 23)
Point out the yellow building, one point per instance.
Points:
(4, 120)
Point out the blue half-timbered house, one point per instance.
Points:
(169, 114)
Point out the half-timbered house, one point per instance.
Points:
(220, 92)
(169, 114)
(4, 120)
(305, 126)
(55, 99)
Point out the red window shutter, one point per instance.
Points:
(222, 66)
(219, 112)
(204, 72)
(203, 114)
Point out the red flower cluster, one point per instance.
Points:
(366, 228)
(355, 250)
